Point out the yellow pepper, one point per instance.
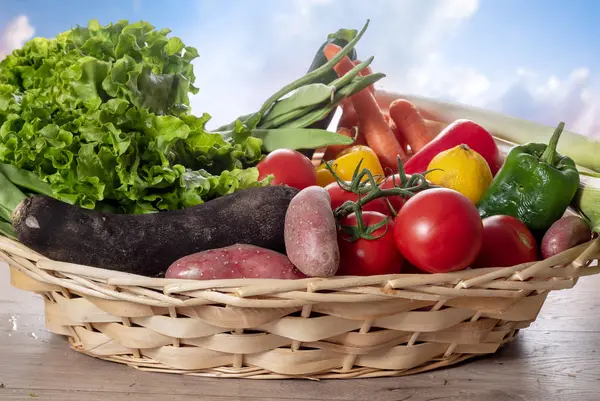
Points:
(324, 176)
(346, 162)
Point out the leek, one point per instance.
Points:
(587, 199)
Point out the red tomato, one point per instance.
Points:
(396, 201)
(507, 241)
(339, 195)
(365, 257)
(439, 230)
(289, 167)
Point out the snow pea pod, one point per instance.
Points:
(355, 86)
(303, 101)
(299, 138)
(309, 95)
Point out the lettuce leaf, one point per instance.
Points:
(101, 114)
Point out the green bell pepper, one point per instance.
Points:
(535, 185)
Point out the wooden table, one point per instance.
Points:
(557, 358)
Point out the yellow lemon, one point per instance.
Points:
(461, 169)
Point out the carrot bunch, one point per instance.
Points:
(400, 132)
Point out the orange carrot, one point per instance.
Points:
(399, 137)
(410, 124)
(375, 129)
(364, 72)
(349, 118)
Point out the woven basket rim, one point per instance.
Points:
(201, 328)
(572, 263)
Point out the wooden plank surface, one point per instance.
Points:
(555, 359)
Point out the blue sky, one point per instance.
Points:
(535, 59)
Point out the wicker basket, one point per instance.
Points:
(340, 327)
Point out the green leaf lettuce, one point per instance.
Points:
(101, 114)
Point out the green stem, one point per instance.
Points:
(549, 155)
(373, 190)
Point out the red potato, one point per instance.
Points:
(235, 261)
(310, 233)
(564, 234)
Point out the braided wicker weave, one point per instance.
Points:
(318, 328)
(340, 327)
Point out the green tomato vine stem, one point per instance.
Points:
(367, 188)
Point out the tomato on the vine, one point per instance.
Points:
(368, 257)
(439, 230)
(339, 195)
(390, 182)
(507, 241)
(289, 167)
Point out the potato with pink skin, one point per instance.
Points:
(564, 234)
(235, 261)
(310, 233)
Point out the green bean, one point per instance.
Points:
(355, 86)
(350, 75)
(311, 98)
(312, 76)
(309, 95)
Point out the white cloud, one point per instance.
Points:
(549, 100)
(245, 59)
(253, 59)
(295, 30)
(15, 34)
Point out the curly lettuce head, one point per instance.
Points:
(102, 114)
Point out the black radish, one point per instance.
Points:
(147, 244)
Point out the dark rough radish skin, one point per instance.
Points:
(311, 233)
(235, 261)
(147, 244)
(565, 233)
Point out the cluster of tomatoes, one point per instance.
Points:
(436, 230)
